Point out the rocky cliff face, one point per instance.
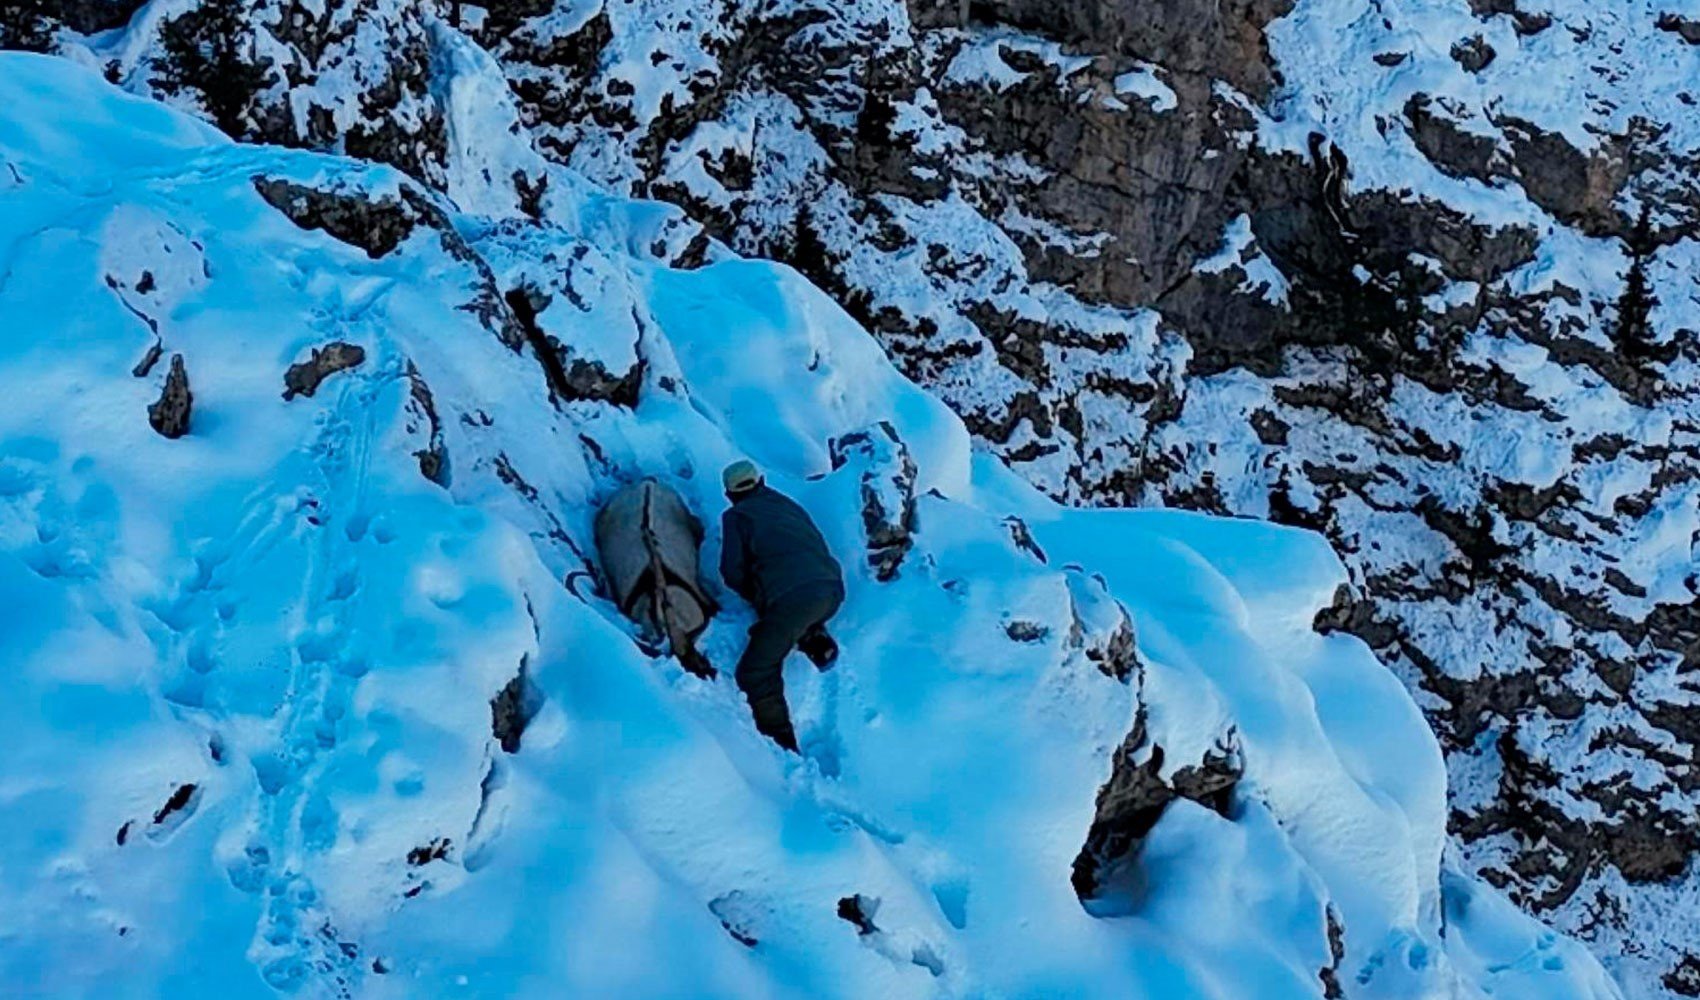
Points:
(1419, 276)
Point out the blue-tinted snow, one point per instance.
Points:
(282, 611)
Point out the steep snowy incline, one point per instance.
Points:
(1356, 265)
(1317, 261)
(1372, 268)
(311, 685)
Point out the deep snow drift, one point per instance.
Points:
(250, 725)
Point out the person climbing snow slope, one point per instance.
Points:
(774, 557)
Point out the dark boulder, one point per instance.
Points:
(303, 378)
(170, 414)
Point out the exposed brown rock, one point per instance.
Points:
(888, 493)
(376, 226)
(303, 378)
(1474, 53)
(513, 708)
(1132, 801)
(1686, 28)
(170, 415)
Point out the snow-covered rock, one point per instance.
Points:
(320, 692)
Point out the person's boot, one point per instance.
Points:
(819, 647)
(773, 720)
(692, 660)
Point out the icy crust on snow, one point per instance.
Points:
(252, 669)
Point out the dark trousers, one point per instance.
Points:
(761, 670)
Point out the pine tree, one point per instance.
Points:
(1632, 331)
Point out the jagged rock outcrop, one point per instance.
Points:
(348, 76)
(1100, 627)
(513, 708)
(1687, 28)
(887, 493)
(375, 226)
(169, 415)
(303, 378)
(424, 423)
(1142, 784)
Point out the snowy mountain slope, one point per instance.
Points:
(312, 686)
(1305, 261)
(1350, 264)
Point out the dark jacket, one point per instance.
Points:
(769, 547)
